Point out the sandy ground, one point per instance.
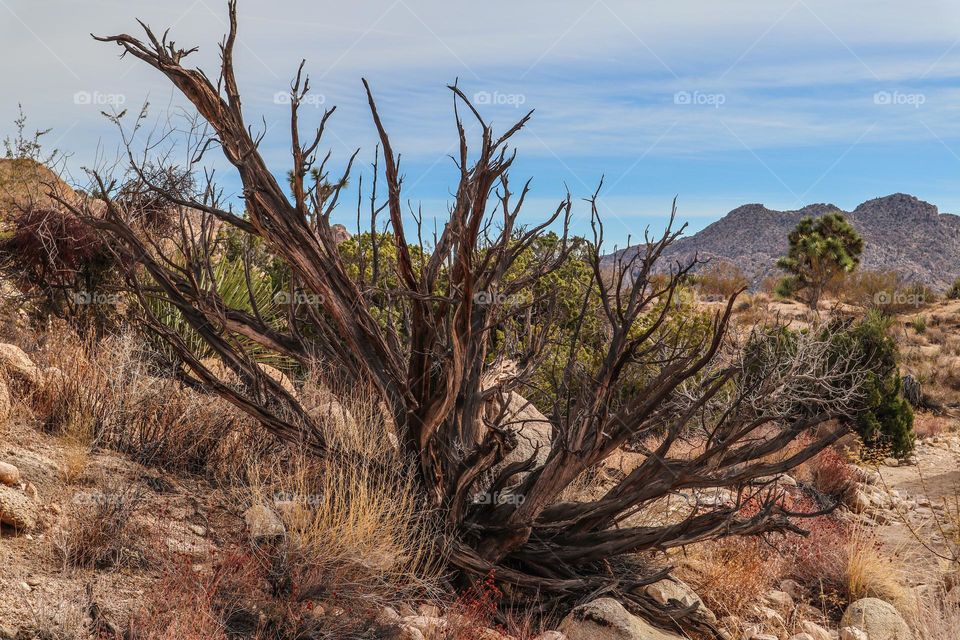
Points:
(920, 531)
(179, 520)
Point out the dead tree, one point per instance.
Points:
(428, 361)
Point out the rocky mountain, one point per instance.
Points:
(901, 233)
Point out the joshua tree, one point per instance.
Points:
(424, 344)
(820, 249)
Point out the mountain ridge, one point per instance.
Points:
(901, 233)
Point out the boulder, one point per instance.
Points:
(9, 474)
(879, 619)
(19, 367)
(534, 432)
(606, 619)
(17, 509)
(263, 523)
(675, 592)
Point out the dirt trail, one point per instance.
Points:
(922, 523)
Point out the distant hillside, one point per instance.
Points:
(24, 183)
(901, 233)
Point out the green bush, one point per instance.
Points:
(887, 418)
(881, 415)
(954, 292)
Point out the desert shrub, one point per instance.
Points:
(729, 574)
(109, 394)
(862, 358)
(99, 530)
(831, 475)
(63, 264)
(919, 324)
(840, 563)
(888, 418)
(885, 291)
(722, 280)
(953, 293)
(926, 425)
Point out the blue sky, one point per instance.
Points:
(780, 102)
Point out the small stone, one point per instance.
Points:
(780, 599)
(429, 626)
(9, 474)
(851, 633)
(429, 610)
(33, 581)
(410, 633)
(815, 631)
(388, 615)
(551, 635)
(791, 587)
(18, 365)
(802, 636)
(26, 587)
(197, 529)
(891, 462)
(263, 524)
(17, 510)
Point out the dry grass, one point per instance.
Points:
(109, 394)
(842, 563)
(358, 530)
(99, 530)
(732, 573)
(927, 425)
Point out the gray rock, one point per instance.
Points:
(672, 591)
(606, 619)
(18, 366)
(815, 631)
(780, 599)
(879, 619)
(852, 633)
(263, 523)
(17, 509)
(9, 474)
